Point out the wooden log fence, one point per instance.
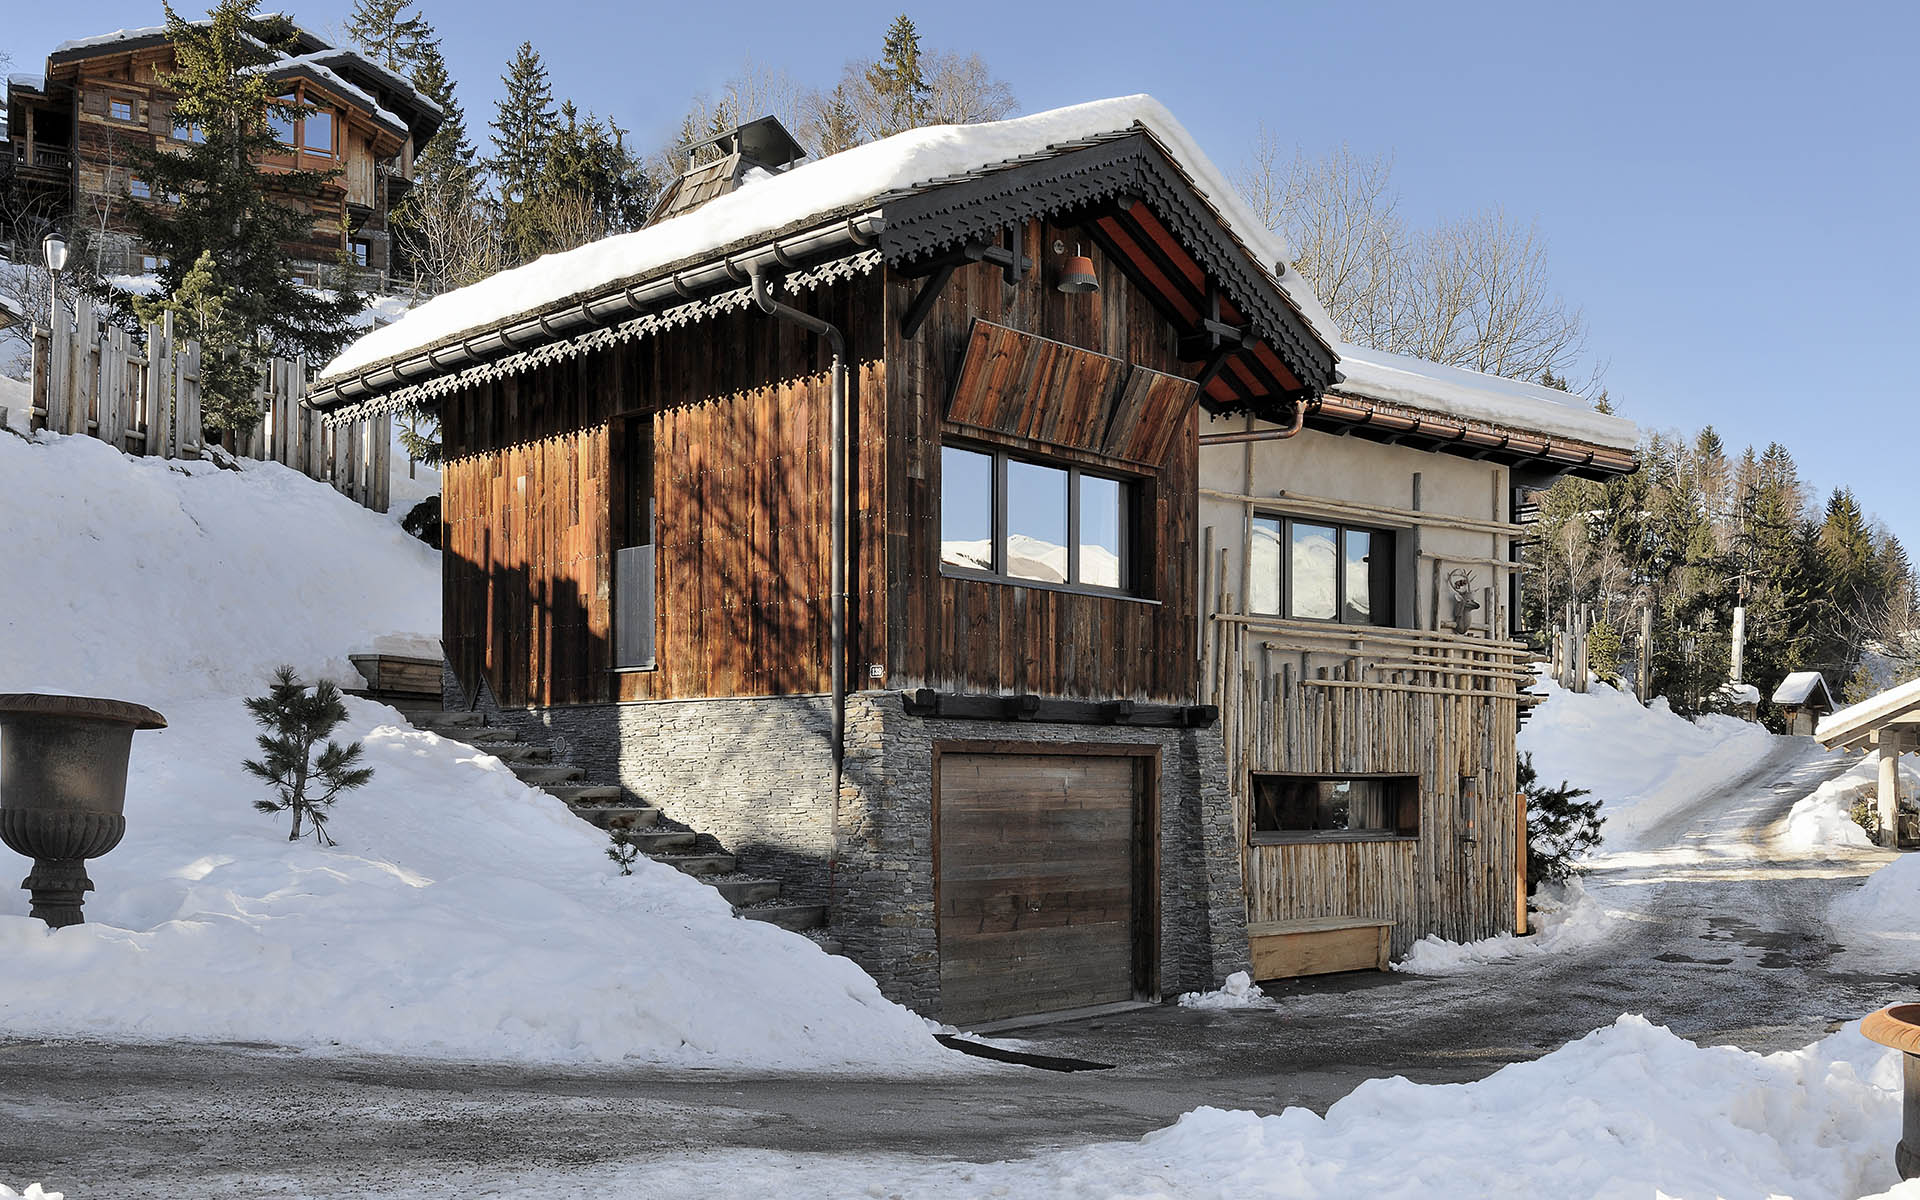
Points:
(140, 393)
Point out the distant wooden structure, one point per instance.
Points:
(94, 378)
(1890, 723)
(1803, 699)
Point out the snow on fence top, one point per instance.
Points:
(1473, 396)
(838, 182)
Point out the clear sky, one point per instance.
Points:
(1728, 190)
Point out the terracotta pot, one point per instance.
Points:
(63, 783)
(1898, 1026)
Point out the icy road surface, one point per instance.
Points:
(1718, 933)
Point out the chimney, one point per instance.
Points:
(764, 144)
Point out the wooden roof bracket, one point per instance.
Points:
(1213, 340)
(939, 271)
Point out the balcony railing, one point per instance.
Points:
(43, 158)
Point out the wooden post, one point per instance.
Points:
(1520, 866)
(1646, 655)
(1889, 743)
(42, 365)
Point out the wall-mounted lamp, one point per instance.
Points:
(1076, 274)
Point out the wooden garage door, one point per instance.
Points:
(1036, 883)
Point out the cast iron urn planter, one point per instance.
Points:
(1898, 1026)
(63, 782)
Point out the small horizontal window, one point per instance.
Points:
(120, 110)
(1308, 807)
(139, 189)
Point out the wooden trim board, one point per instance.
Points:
(1318, 946)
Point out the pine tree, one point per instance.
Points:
(524, 123)
(388, 33)
(297, 717)
(898, 79)
(1561, 827)
(223, 222)
(835, 125)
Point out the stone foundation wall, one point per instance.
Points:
(756, 774)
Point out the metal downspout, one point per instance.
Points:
(837, 531)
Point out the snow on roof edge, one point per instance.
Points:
(1863, 715)
(816, 189)
(1797, 687)
(1494, 399)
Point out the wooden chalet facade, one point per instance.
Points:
(1359, 642)
(1015, 795)
(70, 130)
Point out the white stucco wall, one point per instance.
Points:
(1326, 466)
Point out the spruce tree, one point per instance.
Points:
(217, 212)
(1561, 828)
(836, 126)
(524, 123)
(899, 80)
(296, 718)
(388, 33)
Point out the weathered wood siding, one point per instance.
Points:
(971, 635)
(738, 407)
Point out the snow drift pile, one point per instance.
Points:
(1644, 763)
(462, 913)
(1825, 816)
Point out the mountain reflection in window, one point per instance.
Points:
(966, 509)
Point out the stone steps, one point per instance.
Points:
(607, 807)
(794, 917)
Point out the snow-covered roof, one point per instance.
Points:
(32, 82)
(1856, 720)
(1472, 395)
(10, 311)
(310, 64)
(108, 39)
(1800, 687)
(394, 80)
(833, 184)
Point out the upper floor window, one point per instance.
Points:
(1029, 521)
(282, 121)
(1321, 571)
(120, 109)
(317, 133)
(189, 132)
(139, 189)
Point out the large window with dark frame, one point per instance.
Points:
(1294, 808)
(1027, 521)
(1312, 570)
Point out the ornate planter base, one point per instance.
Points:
(59, 887)
(1898, 1026)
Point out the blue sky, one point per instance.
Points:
(1727, 190)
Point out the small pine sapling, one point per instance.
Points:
(624, 851)
(296, 717)
(1560, 827)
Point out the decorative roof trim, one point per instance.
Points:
(424, 395)
(945, 215)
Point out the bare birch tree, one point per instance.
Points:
(1470, 292)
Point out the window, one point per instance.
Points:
(1321, 571)
(189, 132)
(119, 109)
(635, 601)
(150, 263)
(139, 189)
(1020, 520)
(317, 133)
(282, 119)
(1289, 808)
(358, 250)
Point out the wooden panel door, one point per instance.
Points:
(1036, 882)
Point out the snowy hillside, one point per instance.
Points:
(462, 913)
(1641, 762)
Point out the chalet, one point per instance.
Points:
(70, 127)
(1360, 567)
(853, 513)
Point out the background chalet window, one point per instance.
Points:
(358, 251)
(282, 121)
(1321, 571)
(317, 133)
(1309, 807)
(139, 189)
(1017, 519)
(119, 109)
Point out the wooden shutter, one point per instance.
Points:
(160, 117)
(94, 101)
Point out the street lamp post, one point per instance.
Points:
(53, 248)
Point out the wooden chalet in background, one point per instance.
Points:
(1013, 793)
(69, 130)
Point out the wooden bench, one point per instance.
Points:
(1318, 946)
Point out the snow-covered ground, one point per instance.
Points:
(462, 914)
(1825, 816)
(1643, 763)
(1561, 917)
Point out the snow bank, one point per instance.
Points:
(1643, 763)
(1824, 816)
(1628, 1111)
(16, 396)
(34, 1192)
(1561, 917)
(1880, 921)
(462, 914)
(1515, 403)
(1238, 992)
(816, 189)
